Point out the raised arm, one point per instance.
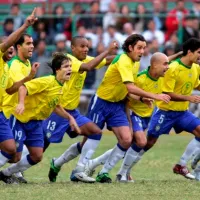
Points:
(63, 113)
(175, 56)
(14, 88)
(96, 61)
(30, 20)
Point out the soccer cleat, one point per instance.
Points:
(22, 180)
(182, 170)
(130, 178)
(89, 170)
(7, 179)
(195, 160)
(72, 177)
(83, 177)
(53, 171)
(121, 178)
(103, 178)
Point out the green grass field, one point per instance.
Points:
(153, 176)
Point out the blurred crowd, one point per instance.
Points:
(105, 21)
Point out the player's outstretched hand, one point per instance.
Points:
(34, 69)
(163, 97)
(19, 109)
(194, 99)
(31, 19)
(74, 126)
(113, 46)
(148, 102)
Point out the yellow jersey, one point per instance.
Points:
(148, 84)
(179, 79)
(5, 81)
(17, 71)
(72, 89)
(122, 69)
(44, 94)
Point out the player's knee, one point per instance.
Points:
(10, 150)
(142, 143)
(126, 142)
(36, 158)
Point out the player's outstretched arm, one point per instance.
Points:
(30, 20)
(96, 61)
(179, 97)
(22, 94)
(147, 101)
(133, 89)
(59, 110)
(175, 56)
(14, 88)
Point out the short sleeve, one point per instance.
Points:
(15, 71)
(76, 64)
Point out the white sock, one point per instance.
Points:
(191, 147)
(140, 154)
(20, 166)
(3, 160)
(101, 159)
(86, 153)
(130, 157)
(25, 151)
(116, 155)
(71, 153)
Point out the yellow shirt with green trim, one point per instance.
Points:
(179, 79)
(5, 80)
(122, 69)
(44, 94)
(148, 84)
(72, 89)
(17, 71)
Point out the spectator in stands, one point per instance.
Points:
(76, 10)
(42, 56)
(112, 34)
(128, 29)
(154, 46)
(8, 26)
(196, 8)
(110, 17)
(158, 14)
(104, 5)
(175, 18)
(60, 41)
(17, 15)
(189, 29)
(169, 50)
(173, 41)
(124, 17)
(93, 20)
(140, 18)
(145, 60)
(42, 31)
(59, 20)
(152, 33)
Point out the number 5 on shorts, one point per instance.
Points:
(161, 119)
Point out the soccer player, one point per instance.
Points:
(38, 98)
(56, 126)
(141, 111)
(107, 106)
(179, 81)
(7, 142)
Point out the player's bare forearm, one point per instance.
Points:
(177, 97)
(135, 97)
(15, 87)
(59, 110)
(175, 56)
(22, 94)
(109, 59)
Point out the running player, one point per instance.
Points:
(107, 106)
(56, 126)
(7, 143)
(43, 98)
(179, 82)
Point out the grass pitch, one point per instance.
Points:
(153, 176)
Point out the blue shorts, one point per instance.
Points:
(5, 130)
(139, 123)
(30, 134)
(163, 121)
(113, 114)
(55, 126)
